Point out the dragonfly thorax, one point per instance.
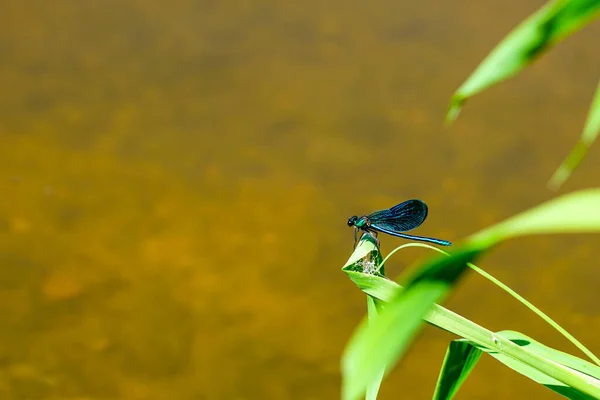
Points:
(360, 223)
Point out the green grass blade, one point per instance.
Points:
(548, 26)
(576, 366)
(490, 342)
(374, 306)
(463, 354)
(539, 312)
(460, 360)
(383, 342)
(511, 292)
(380, 343)
(549, 353)
(589, 135)
(362, 269)
(576, 212)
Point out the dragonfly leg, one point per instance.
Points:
(374, 236)
(355, 236)
(376, 239)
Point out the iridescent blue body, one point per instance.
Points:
(393, 221)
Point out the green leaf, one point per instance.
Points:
(374, 306)
(460, 360)
(589, 135)
(576, 212)
(362, 269)
(557, 356)
(490, 342)
(548, 26)
(462, 356)
(382, 342)
(576, 365)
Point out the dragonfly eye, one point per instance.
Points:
(352, 220)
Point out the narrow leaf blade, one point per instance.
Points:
(589, 135)
(374, 306)
(382, 342)
(577, 366)
(554, 355)
(461, 358)
(546, 27)
(576, 212)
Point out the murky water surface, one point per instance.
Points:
(176, 179)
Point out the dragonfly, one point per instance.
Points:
(394, 221)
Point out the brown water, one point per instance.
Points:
(176, 179)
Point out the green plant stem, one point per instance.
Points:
(460, 326)
(517, 296)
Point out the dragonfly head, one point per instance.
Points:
(352, 220)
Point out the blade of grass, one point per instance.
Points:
(381, 342)
(461, 358)
(589, 135)
(385, 290)
(463, 354)
(540, 313)
(557, 356)
(373, 307)
(485, 339)
(576, 212)
(456, 324)
(546, 27)
(362, 269)
(577, 366)
(514, 294)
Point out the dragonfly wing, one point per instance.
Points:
(402, 217)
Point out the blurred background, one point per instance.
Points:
(176, 179)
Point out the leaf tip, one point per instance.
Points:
(558, 178)
(564, 171)
(454, 109)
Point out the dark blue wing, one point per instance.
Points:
(401, 218)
